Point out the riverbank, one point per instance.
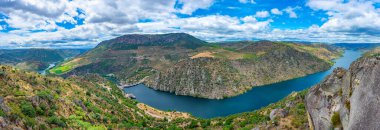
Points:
(169, 115)
(254, 99)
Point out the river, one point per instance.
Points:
(252, 100)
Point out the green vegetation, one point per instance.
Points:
(335, 120)
(347, 104)
(28, 109)
(35, 59)
(63, 68)
(91, 102)
(250, 56)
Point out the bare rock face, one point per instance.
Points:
(278, 113)
(3, 106)
(348, 99)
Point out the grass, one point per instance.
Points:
(64, 68)
(250, 56)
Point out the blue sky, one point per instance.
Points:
(83, 24)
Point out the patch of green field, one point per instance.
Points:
(63, 68)
(250, 56)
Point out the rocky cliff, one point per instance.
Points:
(217, 78)
(348, 99)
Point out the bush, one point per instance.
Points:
(348, 105)
(30, 122)
(335, 119)
(56, 121)
(44, 94)
(28, 109)
(40, 111)
(42, 127)
(2, 113)
(193, 124)
(19, 93)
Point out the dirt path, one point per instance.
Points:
(162, 114)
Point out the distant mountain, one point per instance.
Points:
(185, 65)
(36, 59)
(357, 46)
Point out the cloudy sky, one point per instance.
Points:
(84, 23)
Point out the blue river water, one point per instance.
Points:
(252, 100)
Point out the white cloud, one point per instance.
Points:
(354, 17)
(249, 19)
(355, 21)
(189, 6)
(290, 11)
(262, 14)
(276, 11)
(247, 1)
(47, 8)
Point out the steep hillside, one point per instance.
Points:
(29, 100)
(348, 99)
(185, 65)
(36, 59)
(260, 63)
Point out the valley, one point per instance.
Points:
(182, 64)
(30, 100)
(36, 59)
(253, 99)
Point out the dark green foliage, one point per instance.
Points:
(28, 109)
(2, 113)
(335, 119)
(193, 124)
(40, 111)
(45, 94)
(42, 127)
(30, 122)
(228, 121)
(56, 121)
(205, 123)
(19, 93)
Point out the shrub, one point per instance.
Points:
(19, 93)
(28, 109)
(42, 127)
(44, 94)
(193, 124)
(40, 111)
(56, 121)
(335, 119)
(30, 122)
(348, 105)
(2, 113)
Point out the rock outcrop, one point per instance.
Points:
(348, 99)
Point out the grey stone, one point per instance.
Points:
(278, 113)
(3, 106)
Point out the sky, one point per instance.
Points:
(85, 23)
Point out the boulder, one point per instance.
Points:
(3, 106)
(278, 113)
